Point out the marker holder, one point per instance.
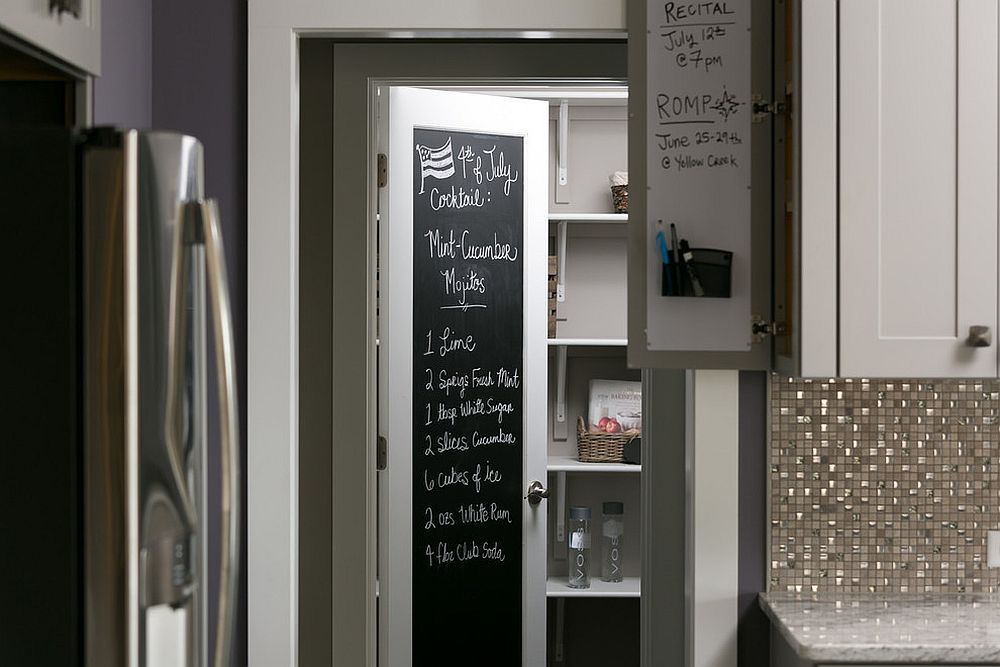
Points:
(713, 269)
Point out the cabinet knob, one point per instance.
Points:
(59, 7)
(979, 336)
(536, 492)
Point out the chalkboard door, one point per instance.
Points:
(462, 380)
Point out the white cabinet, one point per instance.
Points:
(75, 40)
(918, 186)
(892, 188)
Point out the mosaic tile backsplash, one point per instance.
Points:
(883, 485)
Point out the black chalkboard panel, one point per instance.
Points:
(468, 195)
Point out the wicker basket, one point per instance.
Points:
(619, 197)
(600, 447)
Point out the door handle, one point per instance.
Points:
(979, 336)
(200, 225)
(536, 492)
(229, 425)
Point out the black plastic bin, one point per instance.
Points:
(713, 269)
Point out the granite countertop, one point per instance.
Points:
(873, 627)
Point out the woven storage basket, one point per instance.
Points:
(600, 447)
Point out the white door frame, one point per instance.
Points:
(273, 223)
(274, 30)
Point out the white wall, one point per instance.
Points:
(713, 513)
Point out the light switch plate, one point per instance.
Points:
(993, 548)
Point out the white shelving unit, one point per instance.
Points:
(562, 223)
(556, 587)
(589, 217)
(570, 464)
(589, 343)
(592, 342)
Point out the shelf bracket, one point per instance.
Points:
(560, 429)
(563, 143)
(560, 536)
(563, 230)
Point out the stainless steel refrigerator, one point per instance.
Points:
(117, 317)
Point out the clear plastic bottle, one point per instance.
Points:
(612, 536)
(579, 547)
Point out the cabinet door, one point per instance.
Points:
(462, 380)
(73, 39)
(700, 158)
(918, 186)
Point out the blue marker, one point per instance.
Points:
(665, 256)
(662, 242)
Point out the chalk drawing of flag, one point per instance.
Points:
(435, 162)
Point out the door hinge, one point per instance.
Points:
(383, 170)
(759, 328)
(763, 109)
(381, 453)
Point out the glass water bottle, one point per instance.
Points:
(579, 547)
(612, 536)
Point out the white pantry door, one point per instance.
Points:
(462, 380)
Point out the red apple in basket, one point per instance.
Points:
(613, 426)
(602, 425)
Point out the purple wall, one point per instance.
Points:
(752, 637)
(123, 94)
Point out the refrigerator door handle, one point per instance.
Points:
(207, 211)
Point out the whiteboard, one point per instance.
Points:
(698, 167)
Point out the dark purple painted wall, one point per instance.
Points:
(752, 638)
(123, 94)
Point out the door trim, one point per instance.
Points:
(283, 534)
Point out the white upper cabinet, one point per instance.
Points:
(917, 187)
(75, 40)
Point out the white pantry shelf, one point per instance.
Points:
(588, 217)
(593, 342)
(570, 464)
(556, 587)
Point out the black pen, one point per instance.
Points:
(675, 260)
(692, 274)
